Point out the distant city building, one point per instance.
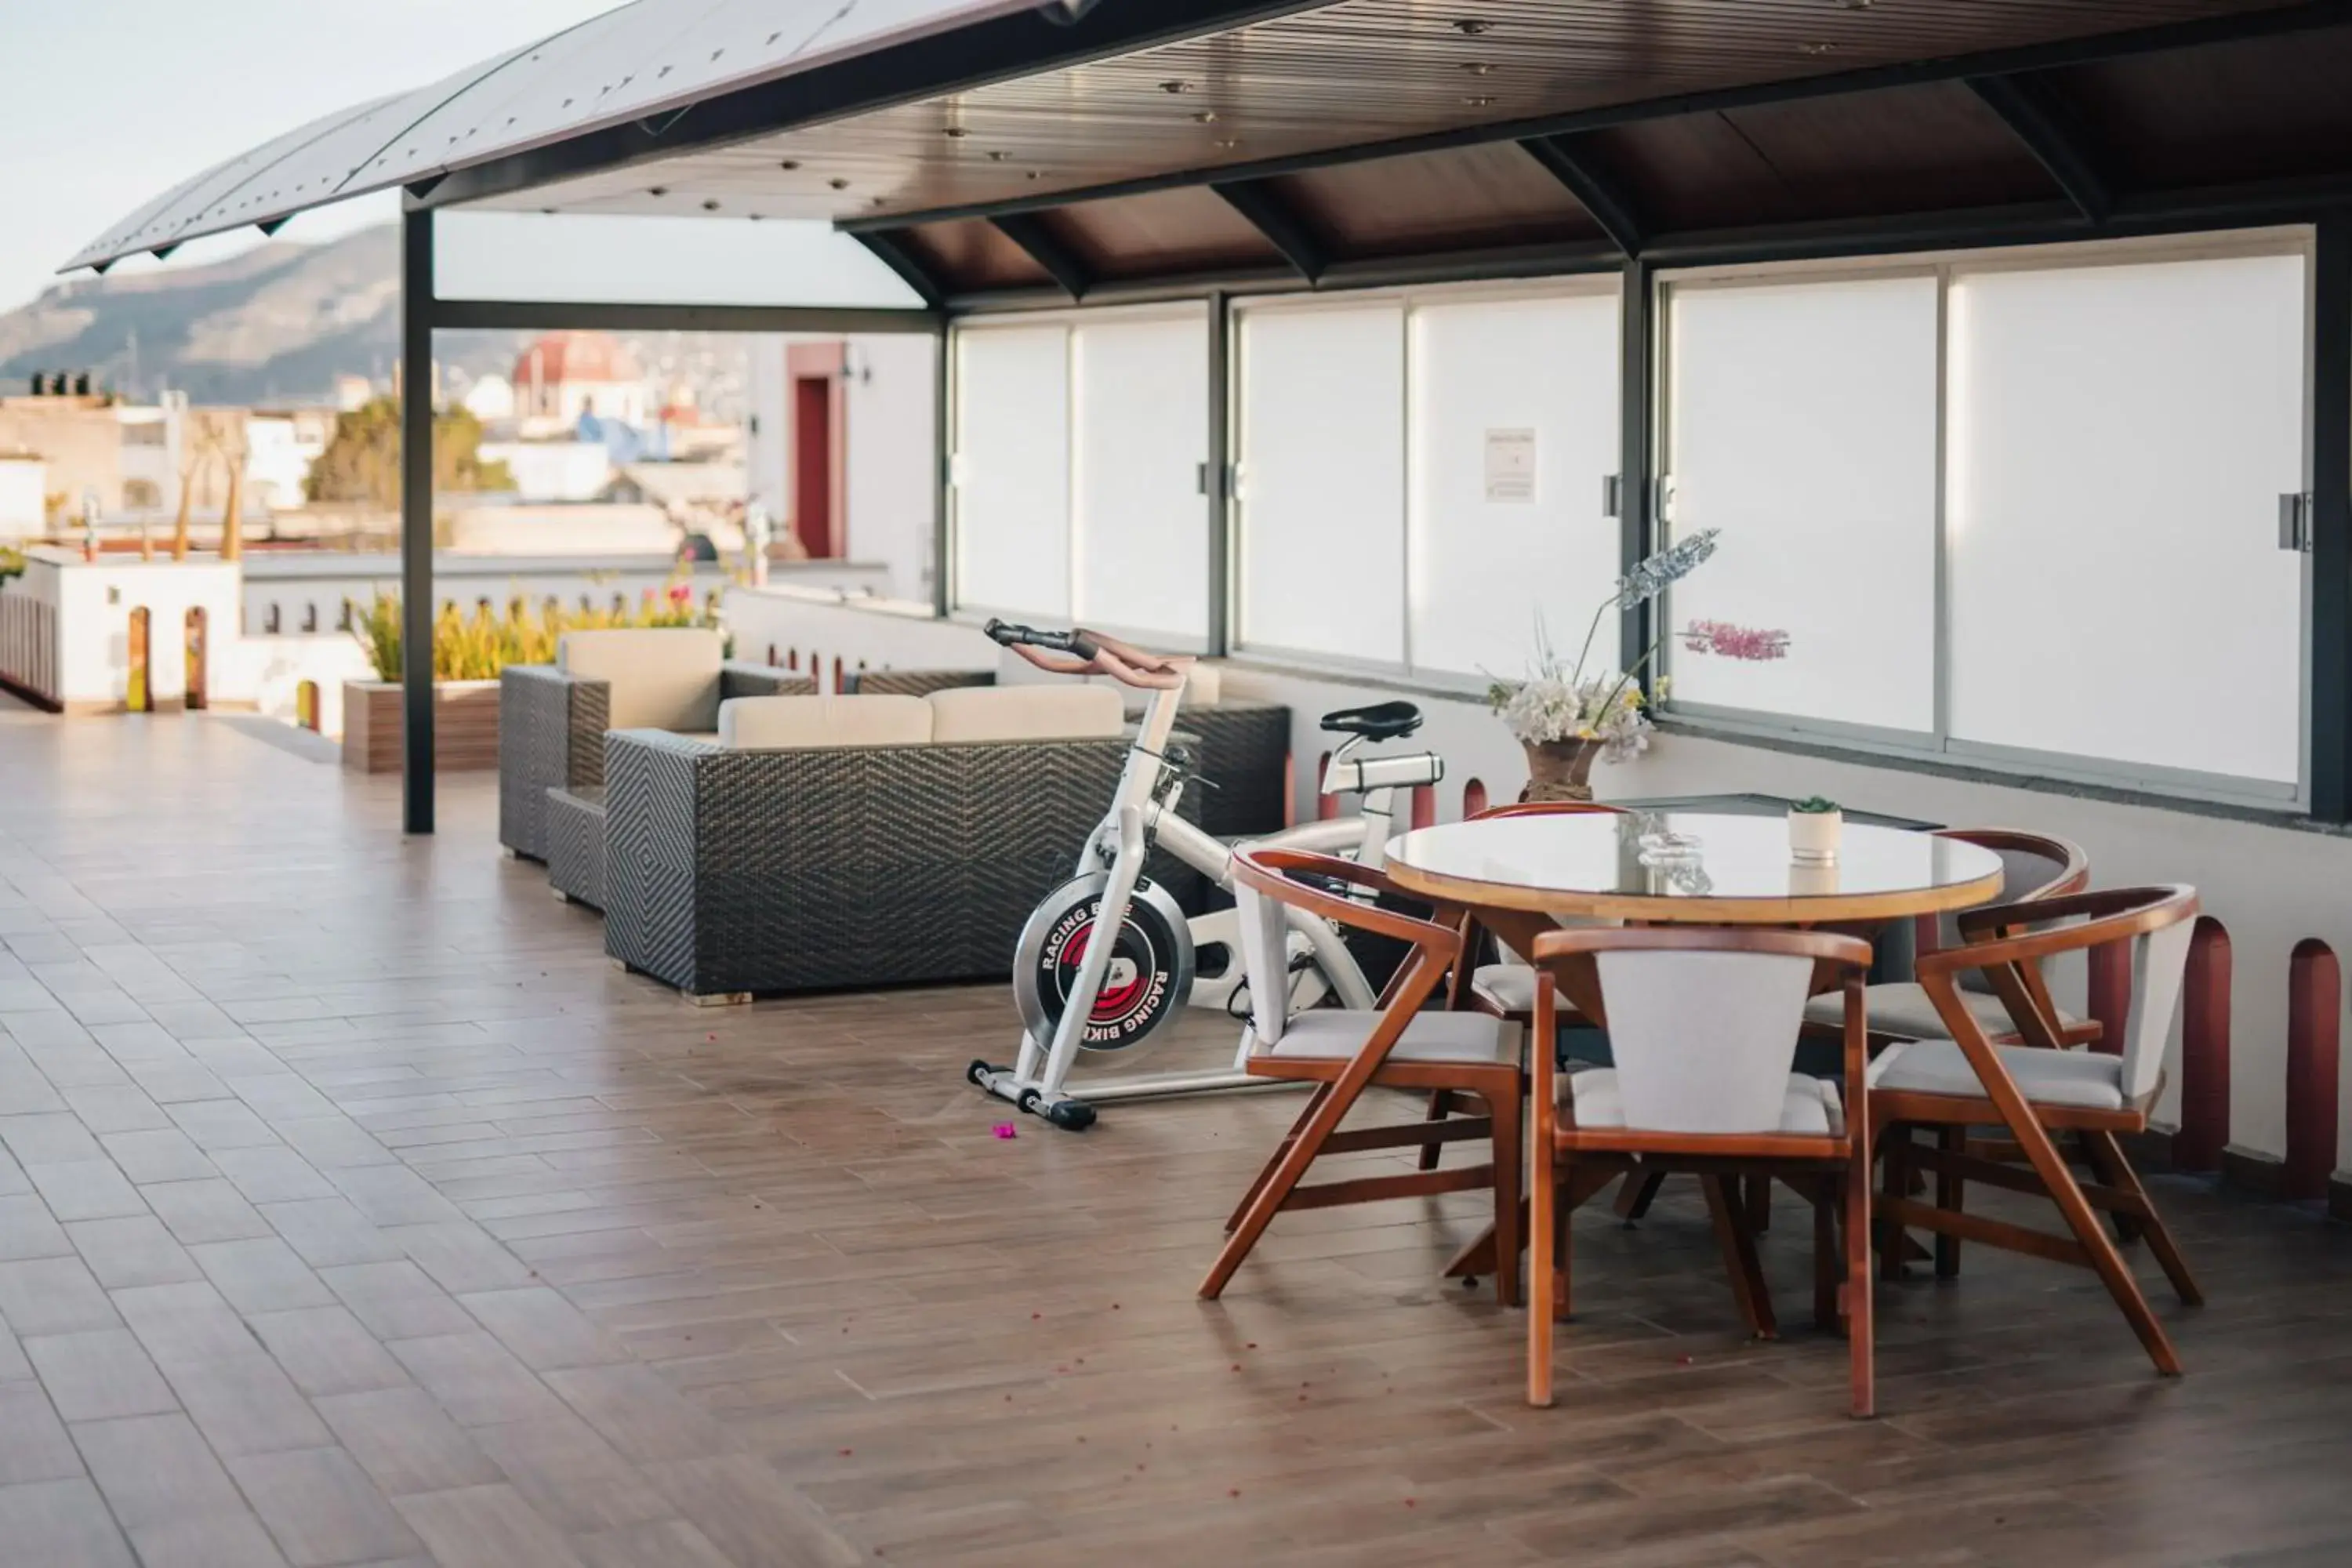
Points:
(840, 450)
(564, 375)
(491, 399)
(24, 495)
(353, 392)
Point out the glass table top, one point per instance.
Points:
(1615, 863)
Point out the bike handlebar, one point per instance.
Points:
(1093, 654)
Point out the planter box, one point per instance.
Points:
(465, 725)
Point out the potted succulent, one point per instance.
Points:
(1566, 719)
(1815, 824)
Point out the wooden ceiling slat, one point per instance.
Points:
(2267, 108)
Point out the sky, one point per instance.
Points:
(105, 104)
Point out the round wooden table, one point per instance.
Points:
(1520, 875)
(1736, 871)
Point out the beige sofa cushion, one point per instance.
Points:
(1026, 713)
(757, 722)
(663, 677)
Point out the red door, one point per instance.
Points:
(812, 464)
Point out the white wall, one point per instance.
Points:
(94, 601)
(23, 499)
(893, 463)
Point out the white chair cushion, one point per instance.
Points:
(1903, 1008)
(1336, 1034)
(2089, 1078)
(1511, 986)
(662, 677)
(1811, 1108)
(747, 722)
(1064, 712)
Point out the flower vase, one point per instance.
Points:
(1559, 769)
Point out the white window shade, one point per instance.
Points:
(1142, 436)
(1802, 423)
(1495, 386)
(2120, 439)
(1012, 469)
(1321, 515)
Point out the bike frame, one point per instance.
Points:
(1138, 817)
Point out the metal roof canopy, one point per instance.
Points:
(646, 64)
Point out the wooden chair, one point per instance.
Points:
(1342, 1052)
(2038, 1088)
(1704, 1024)
(2034, 865)
(1506, 988)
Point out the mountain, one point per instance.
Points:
(277, 324)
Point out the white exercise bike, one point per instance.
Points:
(1076, 994)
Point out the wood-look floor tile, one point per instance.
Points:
(116, 1108)
(327, 1232)
(205, 1209)
(155, 1469)
(52, 1296)
(486, 1527)
(261, 1275)
(86, 1189)
(669, 1543)
(544, 1331)
(135, 1250)
(247, 1404)
(158, 1155)
(34, 1446)
(326, 1350)
(475, 1379)
(27, 1230)
(61, 1524)
(747, 1510)
(98, 1374)
(236, 1541)
(322, 1507)
(406, 1442)
(571, 1475)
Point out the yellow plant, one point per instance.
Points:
(476, 646)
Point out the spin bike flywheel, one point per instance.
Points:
(1150, 972)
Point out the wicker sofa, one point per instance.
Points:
(1243, 794)
(552, 718)
(863, 840)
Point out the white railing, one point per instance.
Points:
(28, 646)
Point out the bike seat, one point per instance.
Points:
(1381, 721)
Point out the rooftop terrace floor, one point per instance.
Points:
(354, 1210)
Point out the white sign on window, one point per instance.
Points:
(1511, 464)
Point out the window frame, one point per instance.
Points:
(1072, 319)
(1582, 284)
(1939, 745)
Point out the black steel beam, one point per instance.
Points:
(1002, 48)
(1636, 530)
(1570, 160)
(417, 323)
(2038, 116)
(1216, 472)
(2331, 521)
(557, 315)
(892, 249)
(2221, 29)
(942, 477)
(1263, 208)
(1045, 247)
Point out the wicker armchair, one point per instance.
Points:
(552, 725)
(731, 872)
